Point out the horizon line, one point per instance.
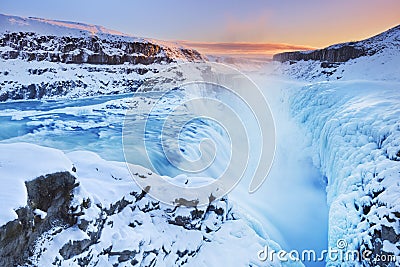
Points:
(243, 48)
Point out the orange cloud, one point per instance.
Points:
(252, 27)
(243, 48)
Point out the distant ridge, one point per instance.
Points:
(73, 42)
(42, 58)
(346, 51)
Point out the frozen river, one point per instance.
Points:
(291, 204)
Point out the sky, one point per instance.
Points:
(253, 26)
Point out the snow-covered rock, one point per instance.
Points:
(345, 51)
(84, 211)
(42, 58)
(377, 58)
(354, 127)
(352, 117)
(20, 163)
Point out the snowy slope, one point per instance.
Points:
(42, 58)
(46, 27)
(379, 60)
(345, 51)
(112, 222)
(19, 163)
(50, 27)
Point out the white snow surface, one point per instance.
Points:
(355, 131)
(141, 226)
(380, 64)
(42, 26)
(89, 79)
(351, 112)
(22, 162)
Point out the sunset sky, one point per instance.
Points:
(254, 26)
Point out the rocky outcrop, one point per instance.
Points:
(91, 50)
(53, 89)
(51, 211)
(199, 222)
(50, 195)
(346, 51)
(36, 65)
(340, 54)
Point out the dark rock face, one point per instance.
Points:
(346, 51)
(62, 88)
(340, 54)
(81, 66)
(385, 259)
(52, 194)
(22, 241)
(378, 255)
(92, 50)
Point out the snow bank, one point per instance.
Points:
(22, 162)
(118, 224)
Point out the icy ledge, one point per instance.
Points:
(80, 210)
(355, 131)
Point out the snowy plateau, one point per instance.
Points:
(67, 197)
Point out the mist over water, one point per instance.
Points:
(293, 198)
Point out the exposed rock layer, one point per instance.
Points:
(91, 50)
(51, 194)
(346, 51)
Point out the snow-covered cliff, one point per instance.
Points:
(77, 209)
(351, 111)
(346, 51)
(44, 58)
